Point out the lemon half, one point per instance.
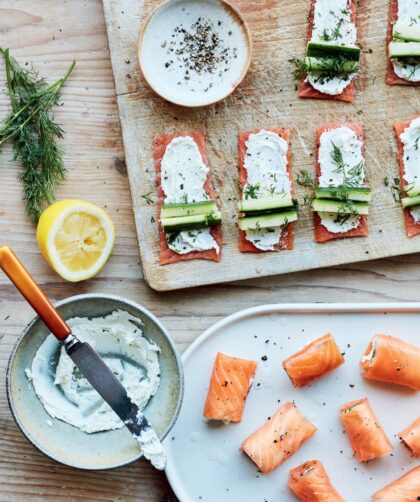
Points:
(76, 238)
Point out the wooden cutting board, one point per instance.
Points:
(267, 98)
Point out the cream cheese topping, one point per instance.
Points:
(408, 15)
(266, 166)
(183, 175)
(410, 139)
(67, 395)
(332, 175)
(332, 23)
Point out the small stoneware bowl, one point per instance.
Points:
(194, 52)
(68, 444)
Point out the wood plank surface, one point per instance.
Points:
(266, 98)
(51, 34)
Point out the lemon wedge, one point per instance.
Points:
(76, 238)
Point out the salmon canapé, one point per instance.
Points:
(313, 361)
(278, 439)
(310, 483)
(392, 360)
(404, 489)
(410, 436)
(365, 433)
(230, 382)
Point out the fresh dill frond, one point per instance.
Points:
(147, 197)
(252, 191)
(337, 158)
(31, 129)
(300, 69)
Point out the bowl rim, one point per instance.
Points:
(249, 43)
(66, 301)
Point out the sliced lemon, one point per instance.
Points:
(76, 238)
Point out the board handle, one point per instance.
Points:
(33, 294)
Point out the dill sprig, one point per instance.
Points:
(325, 67)
(305, 179)
(33, 132)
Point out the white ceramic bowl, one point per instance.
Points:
(171, 63)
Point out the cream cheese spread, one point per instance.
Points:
(183, 175)
(332, 23)
(350, 171)
(410, 139)
(67, 395)
(408, 15)
(266, 166)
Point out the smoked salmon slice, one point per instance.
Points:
(410, 436)
(365, 433)
(310, 483)
(160, 142)
(305, 89)
(412, 228)
(321, 233)
(392, 360)
(278, 439)
(313, 361)
(392, 78)
(287, 235)
(230, 382)
(404, 489)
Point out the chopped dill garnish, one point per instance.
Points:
(305, 179)
(147, 197)
(252, 191)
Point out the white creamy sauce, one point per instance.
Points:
(266, 166)
(410, 138)
(152, 448)
(332, 23)
(408, 15)
(184, 174)
(344, 139)
(67, 395)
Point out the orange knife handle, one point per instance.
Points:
(25, 283)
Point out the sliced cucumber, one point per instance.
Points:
(265, 203)
(331, 65)
(360, 194)
(330, 49)
(410, 201)
(188, 209)
(338, 206)
(413, 189)
(189, 222)
(406, 33)
(267, 220)
(404, 50)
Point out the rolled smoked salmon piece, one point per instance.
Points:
(365, 433)
(392, 360)
(405, 489)
(313, 361)
(310, 483)
(278, 439)
(230, 382)
(410, 436)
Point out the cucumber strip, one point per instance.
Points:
(331, 65)
(267, 220)
(329, 49)
(404, 50)
(265, 203)
(406, 33)
(174, 210)
(359, 194)
(410, 201)
(189, 222)
(413, 189)
(338, 206)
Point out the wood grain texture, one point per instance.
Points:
(51, 34)
(267, 97)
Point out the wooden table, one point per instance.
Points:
(51, 34)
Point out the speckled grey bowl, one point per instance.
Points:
(65, 443)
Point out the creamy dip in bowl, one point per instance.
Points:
(60, 413)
